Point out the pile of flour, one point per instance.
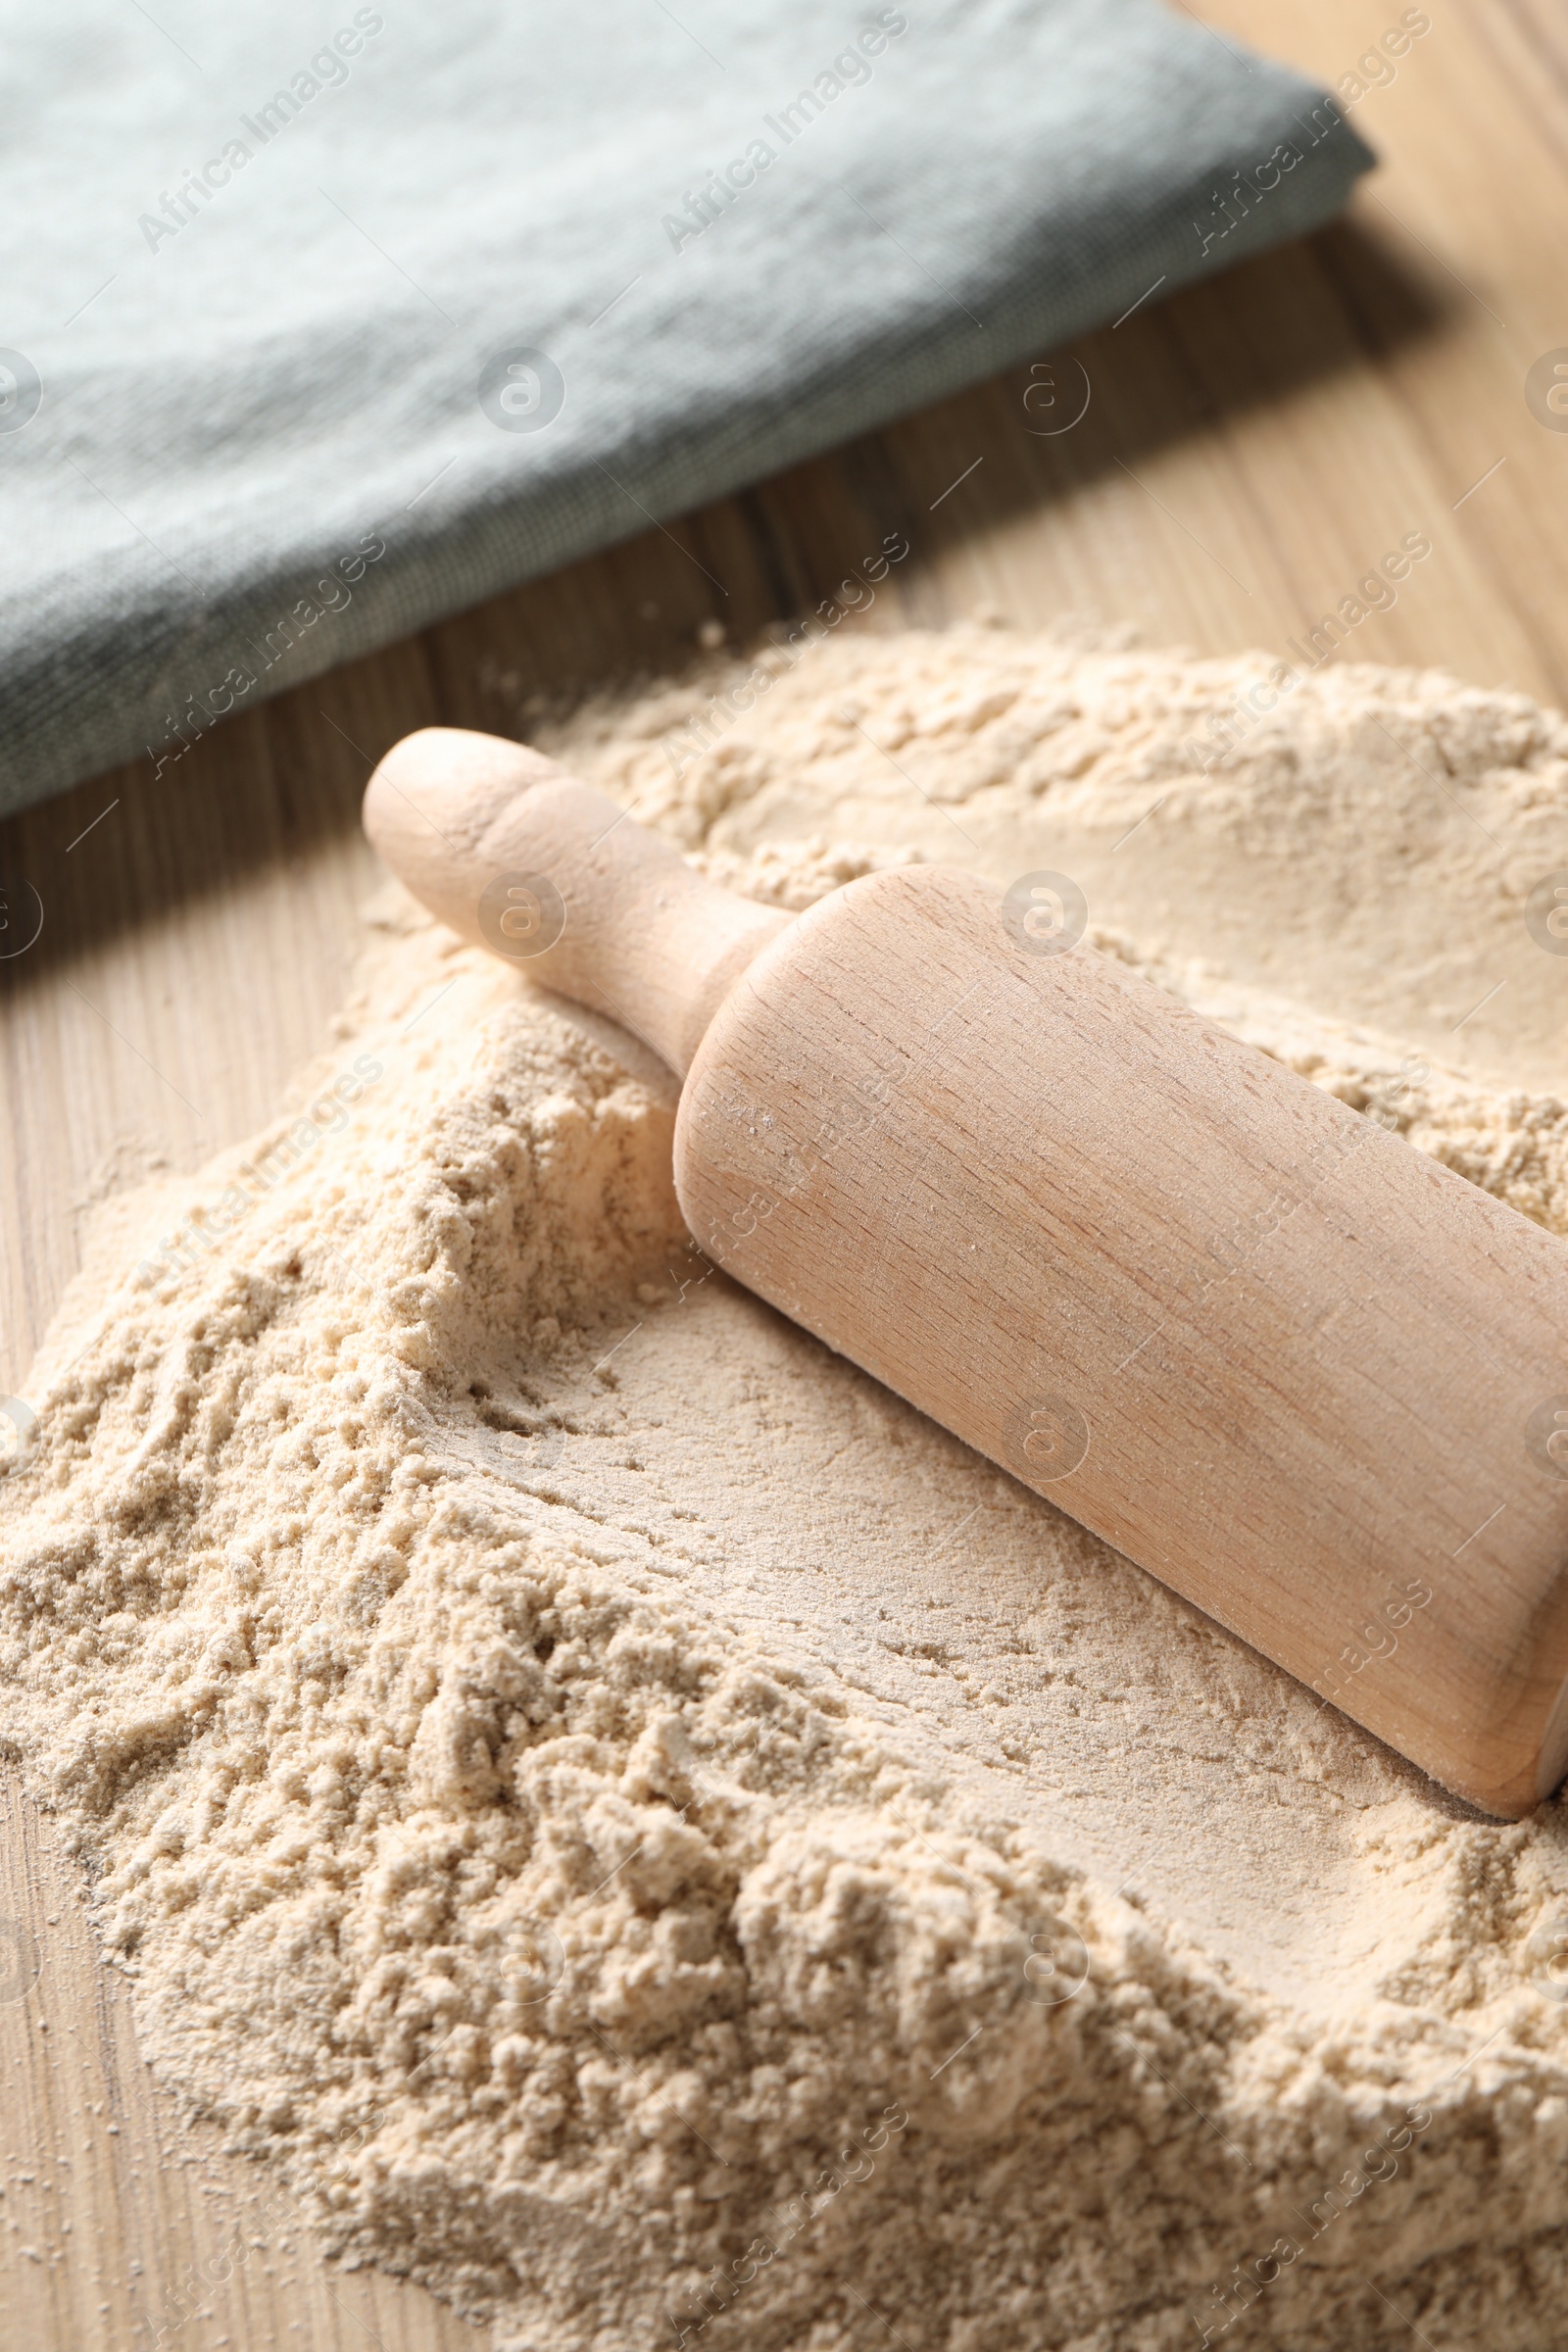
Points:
(650, 1835)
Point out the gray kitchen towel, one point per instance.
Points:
(322, 321)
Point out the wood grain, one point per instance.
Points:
(1250, 448)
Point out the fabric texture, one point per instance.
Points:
(328, 320)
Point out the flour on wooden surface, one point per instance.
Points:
(652, 1836)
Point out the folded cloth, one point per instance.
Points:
(333, 319)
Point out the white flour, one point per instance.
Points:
(652, 1835)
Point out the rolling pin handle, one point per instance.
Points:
(514, 855)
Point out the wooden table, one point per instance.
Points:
(1250, 449)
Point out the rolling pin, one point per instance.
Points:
(1306, 1376)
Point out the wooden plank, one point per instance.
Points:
(1249, 450)
(121, 2224)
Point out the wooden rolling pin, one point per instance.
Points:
(1304, 1375)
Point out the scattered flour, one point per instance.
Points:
(652, 1836)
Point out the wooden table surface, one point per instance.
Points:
(1250, 449)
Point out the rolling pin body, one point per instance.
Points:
(1302, 1374)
